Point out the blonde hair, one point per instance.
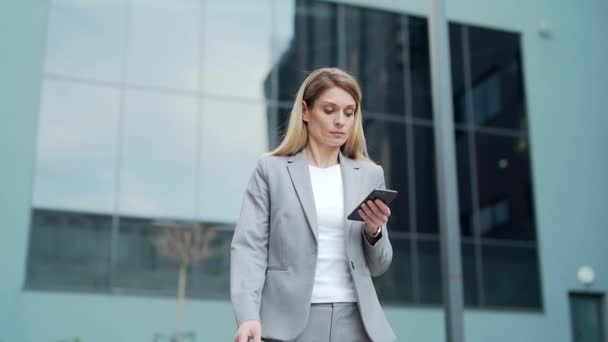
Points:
(318, 81)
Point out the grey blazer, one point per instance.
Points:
(274, 248)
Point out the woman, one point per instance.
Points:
(299, 270)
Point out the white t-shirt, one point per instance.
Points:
(333, 281)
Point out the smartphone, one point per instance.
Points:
(385, 196)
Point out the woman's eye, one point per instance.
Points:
(349, 113)
(328, 110)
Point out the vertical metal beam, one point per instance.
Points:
(445, 155)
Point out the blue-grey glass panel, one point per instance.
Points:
(233, 136)
(85, 39)
(142, 266)
(511, 277)
(426, 187)
(420, 67)
(587, 317)
(429, 272)
(465, 202)
(460, 90)
(164, 44)
(158, 161)
(386, 143)
(430, 277)
(308, 41)
(69, 250)
(396, 285)
(497, 82)
(506, 209)
(374, 43)
(278, 121)
(469, 274)
(237, 48)
(76, 147)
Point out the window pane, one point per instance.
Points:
(69, 250)
(396, 284)
(511, 276)
(460, 89)
(505, 193)
(237, 47)
(312, 43)
(420, 67)
(426, 187)
(387, 146)
(158, 155)
(469, 274)
(465, 201)
(85, 38)
(429, 272)
(496, 76)
(163, 47)
(145, 266)
(139, 264)
(375, 56)
(233, 136)
(76, 147)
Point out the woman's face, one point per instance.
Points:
(331, 118)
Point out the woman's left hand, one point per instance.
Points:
(375, 214)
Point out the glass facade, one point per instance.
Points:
(153, 114)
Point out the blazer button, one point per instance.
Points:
(352, 264)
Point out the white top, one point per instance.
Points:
(333, 281)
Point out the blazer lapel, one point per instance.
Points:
(300, 177)
(352, 190)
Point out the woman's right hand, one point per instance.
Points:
(247, 330)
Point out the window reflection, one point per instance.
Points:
(69, 249)
(76, 147)
(429, 271)
(511, 276)
(237, 47)
(505, 207)
(457, 62)
(163, 47)
(420, 67)
(233, 137)
(375, 43)
(497, 84)
(426, 187)
(396, 284)
(158, 155)
(313, 43)
(85, 39)
(386, 145)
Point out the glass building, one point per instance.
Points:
(125, 118)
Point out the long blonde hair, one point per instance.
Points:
(318, 81)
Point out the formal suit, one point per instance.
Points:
(274, 248)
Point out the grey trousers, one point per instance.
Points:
(332, 322)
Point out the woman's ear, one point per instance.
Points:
(304, 111)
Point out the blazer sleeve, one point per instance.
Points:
(380, 254)
(248, 251)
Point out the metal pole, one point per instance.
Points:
(445, 153)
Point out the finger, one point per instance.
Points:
(368, 221)
(366, 218)
(374, 213)
(386, 211)
(257, 335)
(240, 337)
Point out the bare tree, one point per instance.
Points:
(187, 244)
